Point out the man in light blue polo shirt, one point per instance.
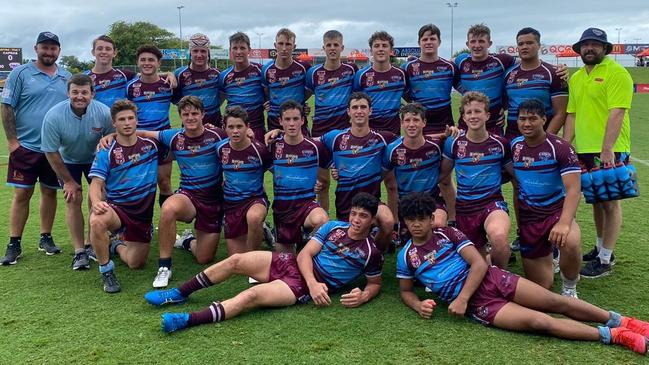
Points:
(30, 91)
(71, 130)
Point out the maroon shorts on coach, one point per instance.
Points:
(27, 166)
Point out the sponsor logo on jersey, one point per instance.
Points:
(544, 156)
(415, 162)
(495, 150)
(134, 157)
(528, 161)
(291, 158)
(336, 235)
(430, 257)
(149, 94)
(537, 77)
(476, 156)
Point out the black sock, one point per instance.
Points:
(187, 243)
(166, 262)
(15, 241)
(162, 198)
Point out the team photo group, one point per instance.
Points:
(522, 121)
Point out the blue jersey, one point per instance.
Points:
(200, 170)
(539, 172)
(153, 101)
(205, 86)
(244, 88)
(342, 259)
(437, 263)
(385, 89)
(416, 170)
(243, 171)
(283, 85)
(110, 86)
(478, 169)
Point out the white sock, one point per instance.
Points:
(605, 255)
(569, 283)
(600, 243)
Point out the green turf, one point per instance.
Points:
(50, 314)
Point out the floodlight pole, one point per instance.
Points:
(180, 26)
(452, 6)
(618, 38)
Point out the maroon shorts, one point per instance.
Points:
(404, 234)
(236, 224)
(284, 267)
(289, 223)
(209, 215)
(534, 236)
(587, 160)
(134, 230)
(472, 224)
(497, 289)
(27, 166)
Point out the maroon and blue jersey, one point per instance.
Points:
(200, 170)
(437, 264)
(487, 77)
(478, 169)
(244, 88)
(331, 91)
(539, 172)
(243, 171)
(540, 83)
(343, 259)
(385, 89)
(130, 174)
(204, 85)
(416, 170)
(153, 101)
(283, 85)
(295, 171)
(110, 86)
(430, 84)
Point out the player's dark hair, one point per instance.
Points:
(122, 105)
(240, 37)
(381, 36)
(190, 101)
(366, 201)
(359, 95)
(148, 48)
(104, 38)
(286, 33)
(533, 106)
(417, 205)
(432, 28)
(290, 105)
(529, 30)
(235, 112)
(479, 29)
(471, 96)
(413, 108)
(81, 80)
(332, 34)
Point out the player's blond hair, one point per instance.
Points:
(478, 30)
(472, 96)
(286, 33)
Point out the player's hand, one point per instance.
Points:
(457, 307)
(267, 105)
(210, 126)
(105, 141)
(318, 292)
(13, 145)
(100, 207)
(352, 299)
(563, 72)
(334, 173)
(607, 158)
(426, 308)
(452, 131)
(317, 188)
(170, 79)
(71, 191)
(559, 234)
(250, 133)
(270, 136)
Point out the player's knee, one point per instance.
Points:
(203, 259)
(498, 238)
(136, 263)
(97, 224)
(168, 212)
(250, 296)
(255, 217)
(23, 195)
(611, 207)
(539, 323)
(234, 261)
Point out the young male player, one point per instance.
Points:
(243, 161)
(448, 264)
(152, 96)
(241, 84)
(337, 255)
(549, 187)
(122, 194)
(110, 83)
(284, 78)
(297, 163)
(479, 158)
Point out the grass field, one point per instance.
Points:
(51, 314)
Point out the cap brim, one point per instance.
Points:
(577, 46)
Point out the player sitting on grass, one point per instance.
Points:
(447, 263)
(338, 254)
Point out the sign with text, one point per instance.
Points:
(10, 58)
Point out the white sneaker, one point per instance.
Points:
(569, 292)
(188, 233)
(252, 281)
(555, 264)
(162, 278)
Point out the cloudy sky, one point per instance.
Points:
(560, 22)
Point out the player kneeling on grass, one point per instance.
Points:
(122, 195)
(548, 174)
(447, 263)
(334, 257)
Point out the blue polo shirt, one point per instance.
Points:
(75, 138)
(31, 93)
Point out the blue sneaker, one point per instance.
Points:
(174, 321)
(161, 297)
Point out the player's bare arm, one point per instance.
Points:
(477, 272)
(317, 290)
(9, 124)
(424, 307)
(559, 233)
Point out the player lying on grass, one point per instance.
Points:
(447, 263)
(338, 254)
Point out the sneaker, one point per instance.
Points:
(516, 244)
(12, 255)
(636, 325)
(555, 262)
(162, 277)
(161, 297)
(569, 292)
(174, 321)
(111, 285)
(80, 261)
(629, 339)
(252, 281)
(592, 255)
(47, 244)
(188, 233)
(595, 269)
(269, 237)
(91, 253)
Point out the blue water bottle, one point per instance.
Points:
(599, 185)
(587, 186)
(611, 182)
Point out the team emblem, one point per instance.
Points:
(521, 82)
(414, 162)
(461, 149)
(517, 152)
(495, 150)
(104, 83)
(414, 258)
(240, 80)
(18, 176)
(382, 83)
(119, 156)
(336, 235)
(343, 143)
(415, 69)
(476, 156)
(537, 77)
(308, 153)
(237, 164)
(279, 149)
(180, 142)
(291, 158)
(225, 155)
(284, 80)
(134, 157)
(528, 161)
(137, 92)
(401, 156)
(149, 94)
(369, 79)
(430, 257)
